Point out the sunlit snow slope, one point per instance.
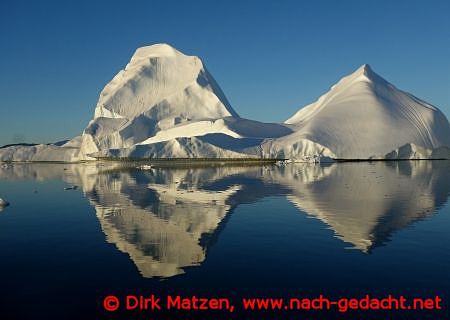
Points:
(364, 116)
(159, 88)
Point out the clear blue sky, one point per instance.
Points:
(269, 57)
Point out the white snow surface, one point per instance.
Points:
(158, 89)
(175, 148)
(364, 116)
(165, 104)
(163, 82)
(40, 152)
(412, 152)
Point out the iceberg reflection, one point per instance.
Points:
(165, 219)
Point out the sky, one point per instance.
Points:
(269, 57)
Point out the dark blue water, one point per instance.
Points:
(341, 230)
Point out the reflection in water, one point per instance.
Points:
(165, 219)
(159, 220)
(364, 204)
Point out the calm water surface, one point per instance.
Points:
(301, 230)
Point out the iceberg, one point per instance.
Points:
(165, 104)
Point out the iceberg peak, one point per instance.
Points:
(155, 51)
(365, 71)
(363, 114)
(160, 49)
(365, 68)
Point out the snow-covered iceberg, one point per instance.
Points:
(165, 104)
(364, 117)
